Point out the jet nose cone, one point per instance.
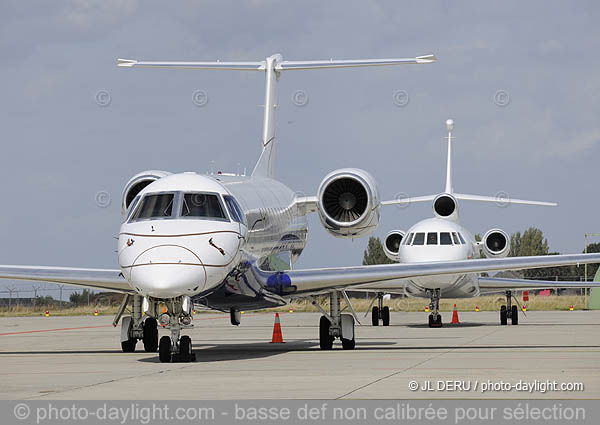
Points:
(168, 271)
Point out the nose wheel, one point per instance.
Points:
(380, 312)
(435, 318)
(509, 311)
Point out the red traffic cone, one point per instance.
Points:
(477, 308)
(426, 309)
(571, 308)
(47, 313)
(95, 312)
(455, 315)
(277, 336)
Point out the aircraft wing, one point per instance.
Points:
(499, 284)
(106, 279)
(312, 281)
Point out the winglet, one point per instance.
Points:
(126, 62)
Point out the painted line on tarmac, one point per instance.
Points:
(54, 330)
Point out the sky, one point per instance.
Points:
(520, 79)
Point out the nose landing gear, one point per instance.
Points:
(380, 312)
(435, 318)
(509, 311)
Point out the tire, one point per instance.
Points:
(438, 322)
(385, 316)
(129, 345)
(348, 344)
(503, 320)
(431, 320)
(325, 340)
(185, 346)
(150, 335)
(164, 349)
(375, 316)
(515, 315)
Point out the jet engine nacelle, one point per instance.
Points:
(495, 244)
(136, 184)
(391, 244)
(445, 206)
(348, 203)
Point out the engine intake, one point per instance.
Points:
(136, 184)
(495, 244)
(391, 244)
(348, 203)
(445, 206)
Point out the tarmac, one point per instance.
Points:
(80, 358)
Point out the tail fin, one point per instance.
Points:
(272, 66)
(501, 199)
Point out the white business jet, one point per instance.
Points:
(442, 238)
(228, 242)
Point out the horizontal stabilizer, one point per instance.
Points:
(501, 200)
(409, 200)
(351, 63)
(231, 66)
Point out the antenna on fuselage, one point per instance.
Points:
(272, 66)
(449, 127)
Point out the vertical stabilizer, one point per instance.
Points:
(449, 188)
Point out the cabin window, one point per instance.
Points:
(235, 211)
(445, 238)
(455, 238)
(419, 239)
(158, 205)
(432, 238)
(461, 238)
(202, 205)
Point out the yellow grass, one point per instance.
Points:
(487, 303)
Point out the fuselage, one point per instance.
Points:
(189, 234)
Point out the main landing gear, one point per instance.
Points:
(509, 311)
(435, 318)
(380, 312)
(178, 316)
(335, 325)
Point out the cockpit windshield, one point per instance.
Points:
(158, 205)
(202, 205)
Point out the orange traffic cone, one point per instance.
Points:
(95, 312)
(455, 315)
(571, 308)
(476, 308)
(47, 313)
(426, 309)
(277, 336)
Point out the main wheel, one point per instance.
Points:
(164, 349)
(129, 345)
(348, 344)
(438, 322)
(150, 338)
(385, 316)
(503, 320)
(375, 316)
(185, 346)
(514, 315)
(325, 340)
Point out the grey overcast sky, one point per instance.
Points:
(60, 148)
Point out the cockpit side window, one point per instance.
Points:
(234, 209)
(455, 238)
(432, 238)
(132, 207)
(159, 205)
(419, 239)
(408, 239)
(462, 239)
(445, 238)
(202, 205)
